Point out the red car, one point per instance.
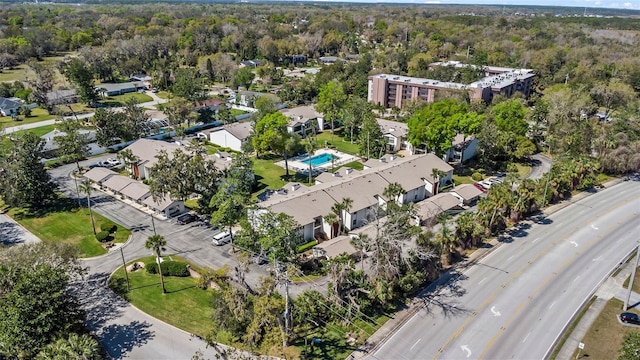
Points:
(479, 187)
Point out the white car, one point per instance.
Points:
(222, 238)
(112, 161)
(485, 184)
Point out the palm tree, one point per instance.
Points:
(156, 243)
(86, 188)
(310, 146)
(393, 191)
(436, 174)
(447, 241)
(347, 203)
(332, 219)
(291, 144)
(127, 157)
(337, 210)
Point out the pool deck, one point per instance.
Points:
(296, 164)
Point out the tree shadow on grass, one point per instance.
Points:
(55, 205)
(120, 339)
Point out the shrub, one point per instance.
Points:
(476, 176)
(169, 268)
(109, 227)
(102, 236)
(307, 246)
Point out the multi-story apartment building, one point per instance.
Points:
(394, 90)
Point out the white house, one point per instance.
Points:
(231, 136)
(396, 134)
(303, 120)
(462, 149)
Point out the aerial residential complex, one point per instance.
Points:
(394, 90)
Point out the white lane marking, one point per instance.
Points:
(576, 279)
(414, 345)
(466, 349)
(510, 257)
(534, 240)
(481, 281)
(494, 311)
(575, 244)
(550, 306)
(594, 227)
(526, 337)
(598, 258)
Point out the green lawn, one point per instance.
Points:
(459, 179)
(117, 101)
(237, 112)
(184, 305)
(355, 165)
(191, 204)
(337, 142)
(37, 115)
(604, 338)
(68, 224)
(272, 176)
(523, 170)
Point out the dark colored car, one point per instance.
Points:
(630, 318)
(479, 187)
(186, 218)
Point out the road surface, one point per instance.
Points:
(515, 302)
(540, 164)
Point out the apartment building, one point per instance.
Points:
(394, 90)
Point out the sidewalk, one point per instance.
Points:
(402, 316)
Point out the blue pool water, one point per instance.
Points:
(318, 159)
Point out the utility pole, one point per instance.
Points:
(284, 279)
(124, 266)
(546, 186)
(633, 275)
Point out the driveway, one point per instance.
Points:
(540, 164)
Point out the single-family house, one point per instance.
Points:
(145, 151)
(231, 136)
(303, 120)
(62, 97)
(210, 104)
(309, 205)
(9, 107)
(328, 60)
(248, 98)
(165, 205)
(467, 193)
(427, 211)
(462, 149)
(107, 89)
(50, 148)
(142, 79)
(251, 63)
(396, 133)
(293, 60)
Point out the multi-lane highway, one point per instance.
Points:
(515, 302)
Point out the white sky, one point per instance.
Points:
(622, 4)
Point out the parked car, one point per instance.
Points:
(629, 318)
(479, 187)
(222, 238)
(154, 90)
(112, 161)
(485, 184)
(186, 218)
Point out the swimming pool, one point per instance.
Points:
(318, 159)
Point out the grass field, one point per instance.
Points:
(604, 338)
(68, 224)
(184, 305)
(272, 176)
(337, 142)
(37, 115)
(120, 100)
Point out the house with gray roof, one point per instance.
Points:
(145, 150)
(99, 174)
(107, 89)
(232, 135)
(397, 135)
(9, 107)
(62, 97)
(303, 120)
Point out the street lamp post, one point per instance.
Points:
(153, 223)
(633, 275)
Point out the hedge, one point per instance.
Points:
(169, 268)
(109, 227)
(307, 246)
(476, 176)
(102, 236)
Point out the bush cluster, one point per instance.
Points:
(302, 248)
(169, 268)
(102, 236)
(109, 227)
(476, 176)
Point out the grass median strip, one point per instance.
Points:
(184, 305)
